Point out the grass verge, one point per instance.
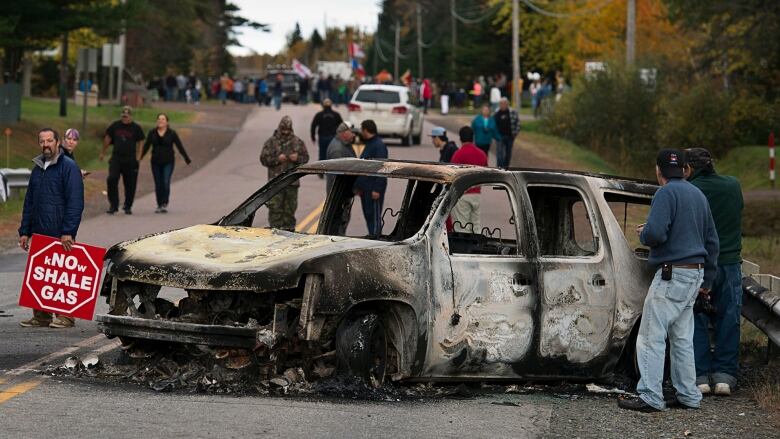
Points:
(554, 149)
(750, 164)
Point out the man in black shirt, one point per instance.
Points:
(445, 146)
(508, 124)
(324, 125)
(126, 136)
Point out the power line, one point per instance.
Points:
(490, 12)
(584, 11)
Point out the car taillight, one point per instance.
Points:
(353, 107)
(399, 110)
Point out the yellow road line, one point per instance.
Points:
(18, 389)
(311, 216)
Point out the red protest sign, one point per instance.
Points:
(62, 282)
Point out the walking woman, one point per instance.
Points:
(161, 140)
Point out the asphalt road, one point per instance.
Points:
(33, 404)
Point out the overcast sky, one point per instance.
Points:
(311, 14)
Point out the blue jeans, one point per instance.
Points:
(277, 102)
(162, 182)
(324, 141)
(722, 364)
(668, 311)
(504, 151)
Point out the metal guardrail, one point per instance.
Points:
(14, 179)
(761, 301)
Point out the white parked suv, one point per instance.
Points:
(391, 108)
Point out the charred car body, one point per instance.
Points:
(555, 291)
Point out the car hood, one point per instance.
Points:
(231, 258)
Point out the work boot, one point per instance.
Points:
(722, 389)
(61, 322)
(35, 322)
(637, 404)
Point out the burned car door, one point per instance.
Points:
(576, 277)
(484, 323)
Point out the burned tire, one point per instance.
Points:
(361, 348)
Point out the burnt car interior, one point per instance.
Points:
(563, 225)
(498, 238)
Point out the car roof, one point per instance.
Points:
(448, 173)
(383, 87)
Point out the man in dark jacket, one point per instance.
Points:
(52, 206)
(724, 194)
(126, 136)
(324, 125)
(371, 190)
(508, 125)
(447, 148)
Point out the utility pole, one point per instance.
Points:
(454, 35)
(64, 76)
(397, 49)
(630, 32)
(516, 55)
(419, 42)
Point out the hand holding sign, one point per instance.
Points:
(62, 281)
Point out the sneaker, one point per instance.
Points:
(704, 389)
(722, 389)
(62, 322)
(35, 322)
(163, 209)
(111, 211)
(637, 404)
(158, 210)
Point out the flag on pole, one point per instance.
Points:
(301, 69)
(358, 69)
(355, 51)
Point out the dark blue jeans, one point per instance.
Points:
(162, 182)
(722, 362)
(324, 141)
(504, 151)
(372, 211)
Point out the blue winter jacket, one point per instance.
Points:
(54, 200)
(484, 133)
(375, 149)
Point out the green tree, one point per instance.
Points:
(36, 25)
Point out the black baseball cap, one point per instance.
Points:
(671, 163)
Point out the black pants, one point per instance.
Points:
(372, 212)
(128, 169)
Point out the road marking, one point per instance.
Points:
(314, 214)
(31, 366)
(18, 389)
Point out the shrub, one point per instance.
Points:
(613, 113)
(699, 118)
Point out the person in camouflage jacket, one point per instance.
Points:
(281, 152)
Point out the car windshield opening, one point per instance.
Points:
(341, 211)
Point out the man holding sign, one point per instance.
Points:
(53, 206)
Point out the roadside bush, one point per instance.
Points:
(753, 118)
(613, 113)
(698, 118)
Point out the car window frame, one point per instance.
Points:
(593, 220)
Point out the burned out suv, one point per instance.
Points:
(549, 283)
